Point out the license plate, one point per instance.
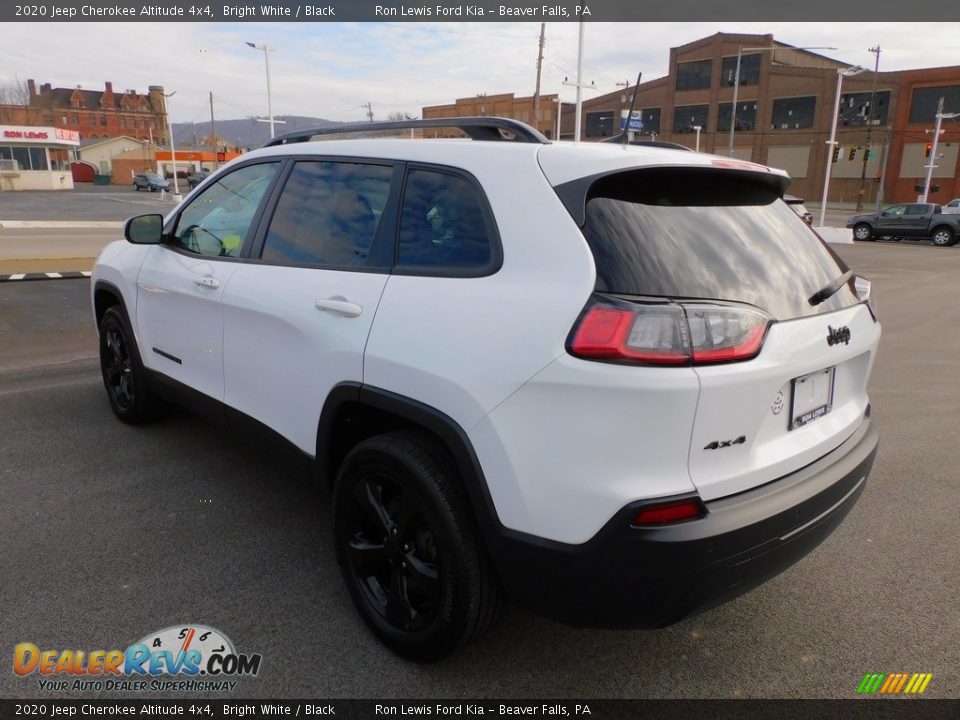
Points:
(812, 397)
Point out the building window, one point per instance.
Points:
(923, 104)
(103, 120)
(749, 70)
(63, 119)
(686, 117)
(694, 75)
(27, 158)
(746, 116)
(793, 113)
(123, 122)
(75, 119)
(599, 124)
(855, 108)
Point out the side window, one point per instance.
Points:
(897, 210)
(328, 214)
(217, 221)
(442, 224)
(916, 209)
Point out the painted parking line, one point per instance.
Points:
(68, 275)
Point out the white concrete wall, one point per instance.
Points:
(42, 180)
(842, 236)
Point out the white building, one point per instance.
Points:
(36, 158)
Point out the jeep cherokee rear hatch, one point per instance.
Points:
(707, 267)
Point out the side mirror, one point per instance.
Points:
(144, 229)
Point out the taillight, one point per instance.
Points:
(669, 512)
(864, 290)
(668, 333)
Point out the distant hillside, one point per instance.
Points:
(245, 133)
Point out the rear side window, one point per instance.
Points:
(706, 234)
(443, 226)
(328, 214)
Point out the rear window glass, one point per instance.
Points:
(707, 234)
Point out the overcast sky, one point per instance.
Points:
(331, 70)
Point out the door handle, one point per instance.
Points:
(340, 305)
(208, 282)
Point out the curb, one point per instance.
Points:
(69, 275)
(67, 224)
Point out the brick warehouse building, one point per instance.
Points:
(784, 111)
(94, 114)
(505, 105)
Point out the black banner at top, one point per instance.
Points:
(476, 10)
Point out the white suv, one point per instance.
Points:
(617, 384)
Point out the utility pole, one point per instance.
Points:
(369, 107)
(884, 156)
(866, 154)
(536, 93)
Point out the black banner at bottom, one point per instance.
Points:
(859, 709)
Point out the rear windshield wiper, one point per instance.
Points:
(830, 288)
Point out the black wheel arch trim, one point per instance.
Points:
(112, 289)
(441, 425)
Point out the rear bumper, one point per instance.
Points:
(650, 577)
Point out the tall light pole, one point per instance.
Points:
(173, 153)
(841, 74)
(736, 82)
(266, 56)
(941, 116)
(698, 128)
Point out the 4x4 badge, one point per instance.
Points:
(835, 336)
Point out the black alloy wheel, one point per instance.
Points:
(123, 376)
(392, 553)
(409, 550)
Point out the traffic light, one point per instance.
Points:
(929, 149)
(836, 153)
(853, 153)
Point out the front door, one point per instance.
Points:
(181, 281)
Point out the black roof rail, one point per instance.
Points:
(477, 128)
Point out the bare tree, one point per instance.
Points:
(14, 92)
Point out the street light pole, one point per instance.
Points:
(266, 56)
(698, 128)
(841, 73)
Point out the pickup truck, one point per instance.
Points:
(911, 220)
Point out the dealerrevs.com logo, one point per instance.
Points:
(185, 658)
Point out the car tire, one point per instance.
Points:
(124, 378)
(862, 232)
(136, 187)
(409, 549)
(943, 236)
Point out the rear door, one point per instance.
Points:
(723, 247)
(297, 314)
(916, 220)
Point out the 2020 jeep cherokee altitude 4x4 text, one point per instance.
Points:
(618, 384)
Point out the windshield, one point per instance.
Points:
(690, 233)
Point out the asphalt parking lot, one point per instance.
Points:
(109, 532)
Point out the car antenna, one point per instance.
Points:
(633, 104)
